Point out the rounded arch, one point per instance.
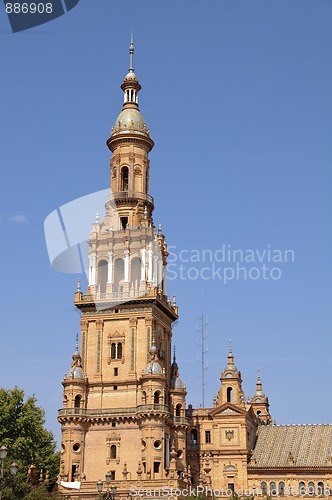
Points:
(281, 488)
(118, 275)
(229, 392)
(144, 397)
(124, 178)
(194, 435)
(320, 488)
(302, 489)
(311, 488)
(264, 488)
(273, 489)
(77, 402)
(135, 272)
(156, 397)
(102, 275)
(113, 451)
(178, 409)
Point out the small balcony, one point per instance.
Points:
(129, 195)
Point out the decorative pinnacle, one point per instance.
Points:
(76, 344)
(174, 357)
(78, 285)
(131, 52)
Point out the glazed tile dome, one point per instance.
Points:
(154, 368)
(130, 118)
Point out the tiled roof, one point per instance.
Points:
(279, 446)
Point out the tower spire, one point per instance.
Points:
(131, 51)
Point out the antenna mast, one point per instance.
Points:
(203, 337)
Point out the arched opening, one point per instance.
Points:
(77, 403)
(302, 488)
(119, 351)
(178, 410)
(138, 182)
(144, 397)
(311, 488)
(193, 436)
(118, 275)
(229, 394)
(113, 451)
(113, 350)
(124, 178)
(264, 488)
(320, 488)
(156, 398)
(65, 401)
(273, 489)
(258, 412)
(135, 273)
(281, 488)
(102, 275)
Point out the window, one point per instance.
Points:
(320, 488)
(156, 398)
(112, 472)
(229, 394)
(77, 403)
(124, 222)
(302, 488)
(273, 489)
(113, 451)
(311, 488)
(118, 275)
(230, 486)
(156, 467)
(116, 372)
(208, 436)
(113, 424)
(102, 275)
(124, 178)
(193, 436)
(116, 350)
(282, 488)
(115, 387)
(178, 410)
(144, 397)
(264, 488)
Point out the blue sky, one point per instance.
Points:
(237, 96)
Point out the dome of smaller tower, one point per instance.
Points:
(178, 384)
(130, 77)
(154, 368)
(129, 119)
(77, 372)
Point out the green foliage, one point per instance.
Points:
(22, 431)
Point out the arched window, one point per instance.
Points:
(193, 436)
(119, 351)
(124, 178)
(77, 402)
(273, 489)
(264, 488)
(102, 275)
(118, 275)
(144, 397)
(116, 350)
(229, 394)
(113, 451)
(311, 488)
(156, 398)
(281, 488)
(65, 400)
(302, 488)
(320, 488)
(135, 272)
(178, 410)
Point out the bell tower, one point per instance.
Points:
(119, 416)
(231, 383)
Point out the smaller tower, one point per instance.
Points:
(260, 403)
(74, 401)
(231, 383)
(178, 394)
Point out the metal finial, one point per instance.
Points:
(78, 285)
(174, 356)
(230, 346)
(131, 51)
(97, 218)
(145, 212)
(76, 344)
(174, 300)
